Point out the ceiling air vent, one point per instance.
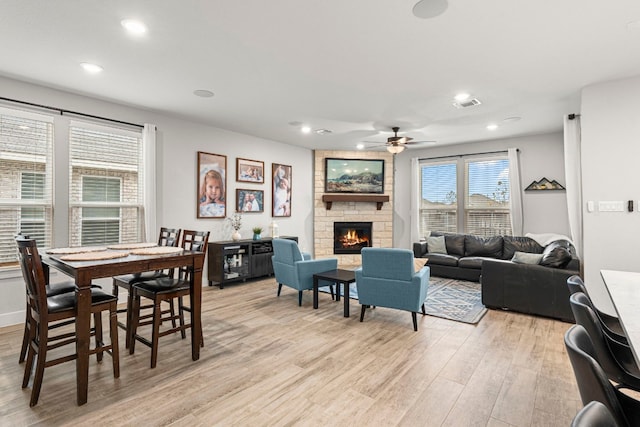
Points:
(467, 103)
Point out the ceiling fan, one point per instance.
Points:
(396, 144)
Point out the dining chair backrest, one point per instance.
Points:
(33, 274)
(576, 284)
(169, 237)
(594, 414)
(192, 241)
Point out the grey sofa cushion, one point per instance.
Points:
(513, 244)
(526, 258)
(487, 247)
(453, 242)
(435, 245)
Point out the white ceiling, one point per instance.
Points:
(355, 67)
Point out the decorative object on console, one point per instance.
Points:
(544, 184)
(212, 179)
(236, 223)
(274, 230)
(257, 231)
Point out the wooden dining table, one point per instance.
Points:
(85, 271)
(624, 290)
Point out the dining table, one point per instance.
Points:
(624, 290)
(84, 272)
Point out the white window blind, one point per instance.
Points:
(469, 194)
(439, 202)
(106, 197)
(487, 209)
(26, 180)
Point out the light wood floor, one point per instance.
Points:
(267, 361)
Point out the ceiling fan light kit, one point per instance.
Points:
(395, 149)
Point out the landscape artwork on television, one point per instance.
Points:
(362, 176)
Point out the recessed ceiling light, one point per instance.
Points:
(203, 93)
(91, 68)
(492, 126)
(461, 97)
(305, 129)
(360, 146)
(133, 26)
(429, 8)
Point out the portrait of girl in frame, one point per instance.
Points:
(212, 183)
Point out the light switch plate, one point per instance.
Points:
(611, 206)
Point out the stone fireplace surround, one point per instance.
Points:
(323, 219)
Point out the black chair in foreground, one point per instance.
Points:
(615, 358)
(167, 237)
(166, 289)
(611, 324)
(46, 309)
(594, 414)
(593, 383)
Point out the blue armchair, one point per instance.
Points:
(295, 269)
(387, 279)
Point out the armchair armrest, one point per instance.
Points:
(421, 280)
(306, 269)
(419, 249)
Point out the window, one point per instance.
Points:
(106, 196)
(26, 147)
(483, 183)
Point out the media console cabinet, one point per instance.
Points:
(235, 260)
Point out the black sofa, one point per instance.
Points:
(539, 289)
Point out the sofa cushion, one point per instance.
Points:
(453, 242)
(513, 244)
(472, 262)
(442, 259)
(490, 247)
(526, 258)
(435, 245)
(557, 256)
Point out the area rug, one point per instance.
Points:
(451, 299)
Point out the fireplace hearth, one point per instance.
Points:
(351, 237)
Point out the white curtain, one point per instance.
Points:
(149, 156)
(573, 174)
(515, 191)
(415, 200)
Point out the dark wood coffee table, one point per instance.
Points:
(339, 277)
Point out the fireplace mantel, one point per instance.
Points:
(379, 199)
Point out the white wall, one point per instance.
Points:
(177, 144)
(540, 156)
(610, 152)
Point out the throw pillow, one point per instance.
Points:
(418, 263)
(526, 258)
(558, 257)
(435, 245)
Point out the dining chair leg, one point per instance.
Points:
(181, 315)
(129, 314)
(172, 310)
(154, 334)
(25, 337)
(97, 321)
(113, 330)
(135, 314)
(30, 353)
(40, 364)
(415, 321)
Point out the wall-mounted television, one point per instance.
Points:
(362, 176)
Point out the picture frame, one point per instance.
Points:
(281, 190)
(248, 170)
(360, 176)
(249, 200)
(212, 184)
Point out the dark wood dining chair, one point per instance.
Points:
(167, 237)
(174, 287)
(62, 307)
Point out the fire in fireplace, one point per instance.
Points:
(350, 237)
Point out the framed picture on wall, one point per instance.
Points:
(212, 182)
(249, 200)
(249, 171)
(281, 186)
